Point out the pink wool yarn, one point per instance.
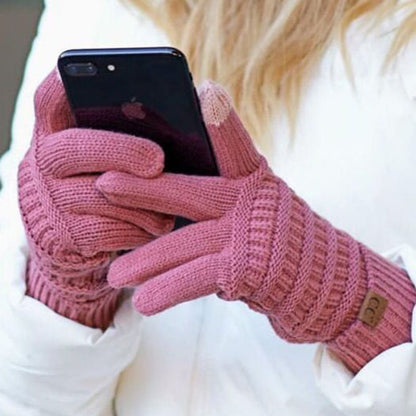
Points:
(256, 241)
(73, 232)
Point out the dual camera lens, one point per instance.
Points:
(82, 69)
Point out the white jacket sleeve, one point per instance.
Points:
(386, 385)
(50, 365)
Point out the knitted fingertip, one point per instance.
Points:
(215, 103)
(143, 304)
(117, 275)
(233, 147)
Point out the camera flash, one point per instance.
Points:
(111, 67)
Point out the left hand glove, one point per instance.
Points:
(73, 232)
(258, 242)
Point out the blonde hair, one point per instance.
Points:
(264, 51)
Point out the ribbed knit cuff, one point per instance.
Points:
(312, 280)
(307, 276)
(361, 342)
(317, 280)
(319, 294)
(86, 299)
(252, 249)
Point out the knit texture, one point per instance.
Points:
(86, 299)
(73, 232)
(258, 242)
(324, 275)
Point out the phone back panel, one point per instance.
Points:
(146, 92)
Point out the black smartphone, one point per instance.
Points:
(146, 92)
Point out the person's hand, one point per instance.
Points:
(73, 232)
(255, 240)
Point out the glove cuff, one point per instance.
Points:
(86, 299)
(320, 283)
(317, 284)
(310, 276)
(363, 340)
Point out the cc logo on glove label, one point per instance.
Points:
(372, 309)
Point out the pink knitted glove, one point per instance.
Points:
(258, 242)
(73, 232)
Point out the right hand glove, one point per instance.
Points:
(73, 232)
(257, 241)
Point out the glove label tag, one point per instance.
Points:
(372, 309)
